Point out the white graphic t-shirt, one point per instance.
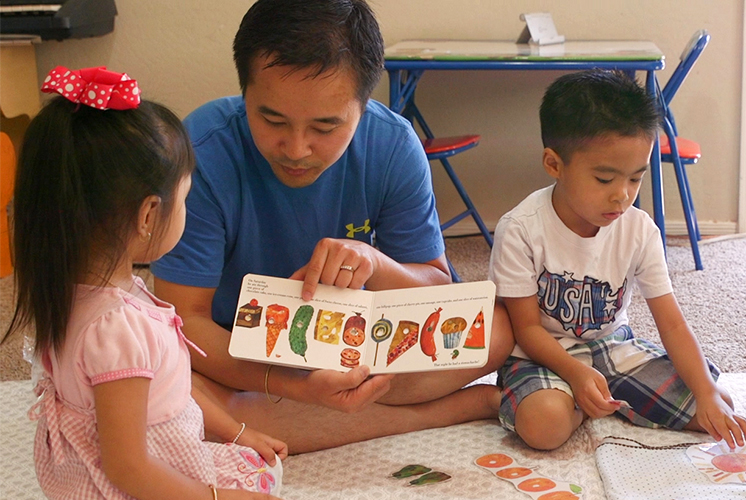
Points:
(582, 285)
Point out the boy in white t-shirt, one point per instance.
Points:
(564, 262)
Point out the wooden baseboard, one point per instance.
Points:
(706, 228)
(673, 228)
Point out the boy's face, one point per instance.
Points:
(600, 181)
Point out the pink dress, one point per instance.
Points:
(114, 335)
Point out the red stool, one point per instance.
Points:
(442, 148)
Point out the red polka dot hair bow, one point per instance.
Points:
(94, 87)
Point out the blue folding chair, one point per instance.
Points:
(440, 149)
(677, 150)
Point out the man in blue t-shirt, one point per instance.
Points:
(305, 177)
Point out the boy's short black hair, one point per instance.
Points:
(320, 35)
(579, 107)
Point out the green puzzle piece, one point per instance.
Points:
(411, 470)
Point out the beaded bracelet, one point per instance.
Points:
(243, 427)
(266, 386)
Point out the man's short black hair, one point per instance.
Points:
(320, 35)
(579, 107)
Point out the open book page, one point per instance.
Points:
(431, 328)
(392, 331)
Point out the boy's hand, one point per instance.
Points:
(592, 392)
(716, 417)
(265, 445)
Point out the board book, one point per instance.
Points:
(392, 331)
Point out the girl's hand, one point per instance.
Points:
(717, 418)
(265, 445)
(592, 392)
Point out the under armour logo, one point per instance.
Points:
(351, 229)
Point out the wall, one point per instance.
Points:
(180, 52)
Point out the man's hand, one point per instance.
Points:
(347, 392)
(342, 263)
(592, 392)
(354, 264)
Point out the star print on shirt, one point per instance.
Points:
(579, 305)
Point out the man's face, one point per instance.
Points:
(301, 125)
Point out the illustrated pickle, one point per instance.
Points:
(298, 329)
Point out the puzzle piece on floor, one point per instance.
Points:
(718, 463)
(433, 477)
(410, 470)
(528, 481)
(428, 476)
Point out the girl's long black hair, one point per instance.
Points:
(82, 175)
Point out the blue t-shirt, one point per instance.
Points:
(241, 219)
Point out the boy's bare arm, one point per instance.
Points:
(588, 385)
(533, 338)
(681, 344)
(714, 414)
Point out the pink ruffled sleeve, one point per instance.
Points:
(119, 344)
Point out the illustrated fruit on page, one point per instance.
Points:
(475, 337)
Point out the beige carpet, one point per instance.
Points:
(713, 300)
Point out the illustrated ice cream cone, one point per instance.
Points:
(277, 320)
(452, 328)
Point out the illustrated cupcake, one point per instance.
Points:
(452, 328)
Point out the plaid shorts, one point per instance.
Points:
(637, 371)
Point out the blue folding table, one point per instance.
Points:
(408, 60)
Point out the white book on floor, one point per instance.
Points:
(392, 331)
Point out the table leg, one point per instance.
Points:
(394, 90)
(656, 177)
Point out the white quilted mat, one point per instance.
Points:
(18, 479)
(361, 470)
